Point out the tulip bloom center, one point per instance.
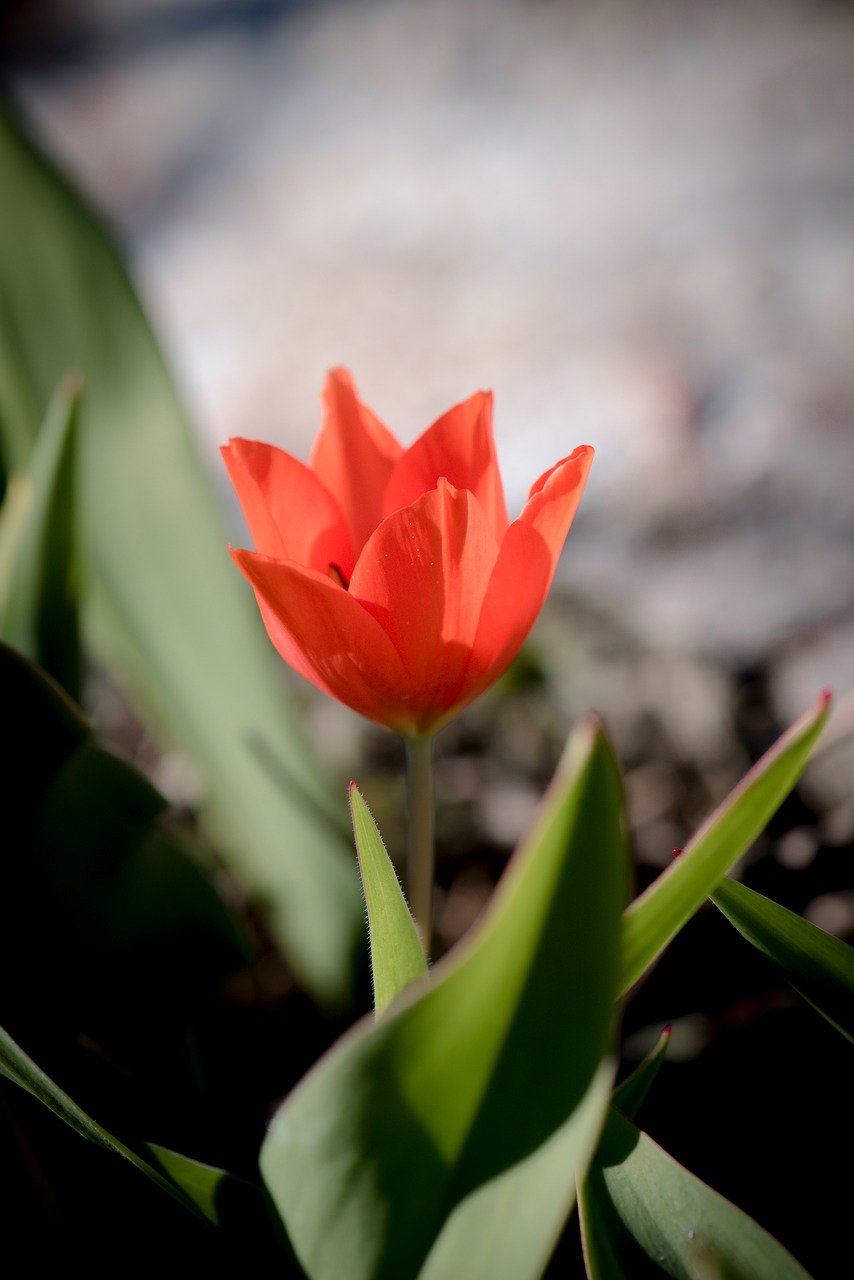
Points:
(440, 589)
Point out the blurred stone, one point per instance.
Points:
(797, 848)
(505, 810)
(837, 828)
(457, 911)
(833, 912)
(823, 659)
(634, 223)
(651, 790)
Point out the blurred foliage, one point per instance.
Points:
(38, 548)
(160, 602)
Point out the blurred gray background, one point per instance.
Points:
(635, 222)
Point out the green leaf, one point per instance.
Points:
(22, 1071)
(163, 606)
(654, 918)
(98, 877)
(628, 1096)
(819, 966)
(444, 1139)
(397, 957)
(644, 1215)
(38, 547)
(239, 1208)
(202, 1183)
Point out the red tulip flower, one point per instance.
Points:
(391, 578)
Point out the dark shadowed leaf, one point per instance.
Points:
(94, 874)
(38, 559)
(215, 1192)
(18, 1067)
(818, 965)
(629, 1095)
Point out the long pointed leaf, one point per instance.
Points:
(818, 965)
(470, 1107)
(18, 1067)
(653, 919)
(628, 1096)
(397, 957)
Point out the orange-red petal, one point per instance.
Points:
(459, 447)
(524, 569)
(442, 591)
(290, 513)
(554, 498)
(423, 576)
(323, 632)
(353, 455)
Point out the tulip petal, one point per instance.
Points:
(524, 569)
(459, 447)
(423, 576)
(323, 632)
(353, 455)
(554, 498)
(290, 513)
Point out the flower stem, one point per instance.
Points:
(420, 844)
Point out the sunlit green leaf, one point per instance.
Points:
(163, 604)
(654, 918)
(397, 957)
(444, 1139)
(818, 965)
(644, 1215)
(38, 589)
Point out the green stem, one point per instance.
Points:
(420, 844)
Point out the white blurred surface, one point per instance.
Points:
(634, 222)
